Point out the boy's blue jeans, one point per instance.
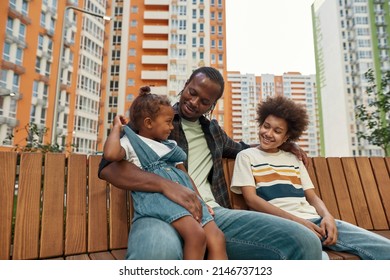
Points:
(249, 235)
(367, 245)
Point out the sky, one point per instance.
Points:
(269, 36)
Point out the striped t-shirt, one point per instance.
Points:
(279, 178)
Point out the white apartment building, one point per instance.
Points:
(244, 100)
(351, 36)
(302, 89)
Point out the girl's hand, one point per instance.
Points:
(119, 120)
(211, 211)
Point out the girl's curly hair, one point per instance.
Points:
(293, 113)
(146, 104)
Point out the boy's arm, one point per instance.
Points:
(328, 222)
(259, 204)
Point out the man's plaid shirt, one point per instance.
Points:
(220, 145)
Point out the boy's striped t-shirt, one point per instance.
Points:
(279, 178)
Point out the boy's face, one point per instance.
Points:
(272, 134)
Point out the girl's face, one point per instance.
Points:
(272, 134)
(198, 97)
(160, 128)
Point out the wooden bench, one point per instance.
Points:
(60, 209)
(356, 190)
(55, 207)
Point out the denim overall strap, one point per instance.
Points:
(145, 154)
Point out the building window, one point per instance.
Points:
(115, 70)
(131, 67)
(133, 37)
(134, 9)
(117, 25)
(113, 101)
(130, 82)
(118, 11)
(114, 85)
(7, 52)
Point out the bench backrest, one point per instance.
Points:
(355, 189)
(56, 206)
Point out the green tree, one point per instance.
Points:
(375, 115)
(34, 141)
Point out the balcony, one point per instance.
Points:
(154, 75)
(154, 59)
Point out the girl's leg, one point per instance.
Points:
(194, 237)
(216, 245)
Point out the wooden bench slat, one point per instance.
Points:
(325, 185)
(237, 200)
(119, 224)
(97, 208)
(345, 255)
(359, 204)
(27, 221)
(80, 257)
(370, 189)
(76, 205)
(52, 230)
(101, 256)
(383, 182)
(341, 190)
(313, 177)
(119, 254)
(7, 190)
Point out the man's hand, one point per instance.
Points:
(294, 148)
(184, 197)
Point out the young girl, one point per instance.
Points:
(277, 183)
(147, 146)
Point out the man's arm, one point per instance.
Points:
(126, 175)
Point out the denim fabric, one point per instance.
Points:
(148, 204)
(352, 239)
(249, 235)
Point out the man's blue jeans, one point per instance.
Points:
(249, 235)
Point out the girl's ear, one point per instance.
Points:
(148, 123)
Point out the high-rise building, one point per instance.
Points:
(351, 37)
(244, 99)
(52, 71)
(148, 42)
(159, 43)
(247, 90)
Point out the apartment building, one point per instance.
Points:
(244, 99)
(247, 90)
(351, 36)
(159, 43)
(51, 71)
